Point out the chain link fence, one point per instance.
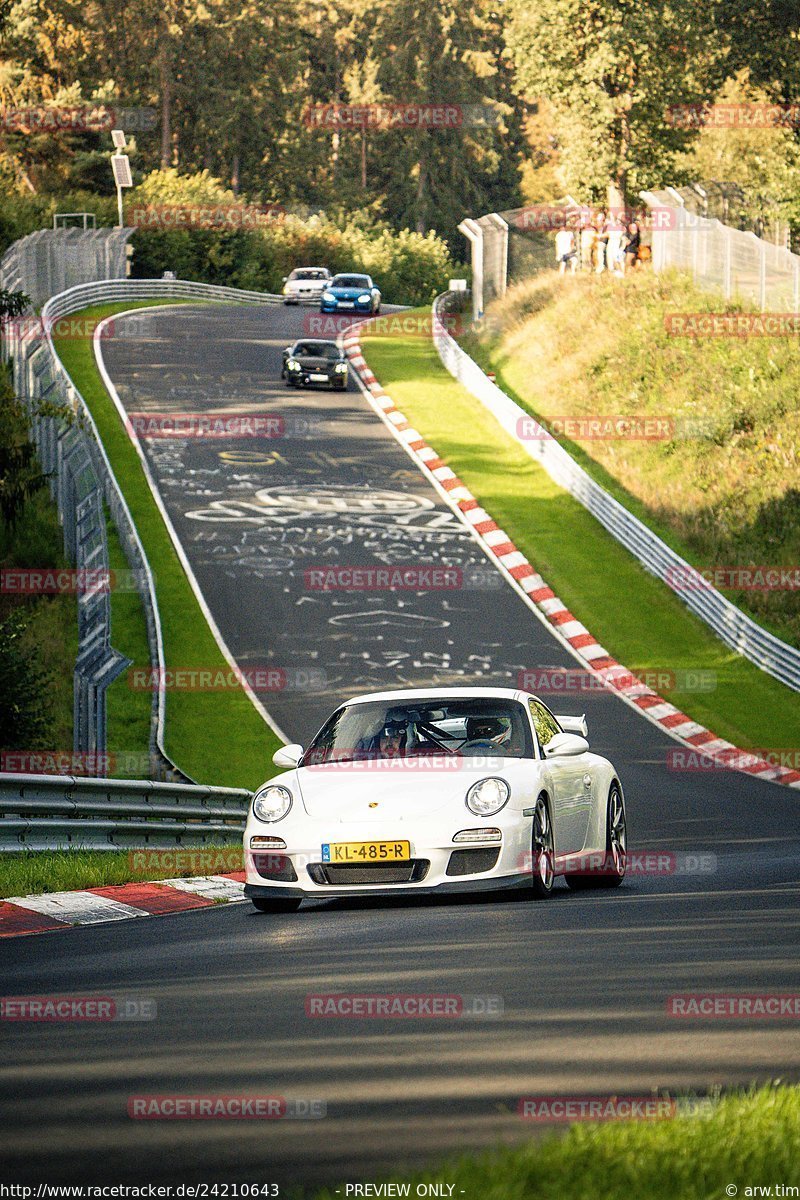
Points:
(731, 261)
(516, 244)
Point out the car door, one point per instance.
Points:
(571, 785)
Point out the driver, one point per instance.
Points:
(486, 731)
(392, 739)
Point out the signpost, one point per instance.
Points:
(121, 166)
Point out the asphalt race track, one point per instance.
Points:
(583, 979)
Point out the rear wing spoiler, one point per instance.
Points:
(573, 724)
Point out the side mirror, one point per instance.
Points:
(565, 745)
(288, 756)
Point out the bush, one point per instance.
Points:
(409, 268)
(25, 683)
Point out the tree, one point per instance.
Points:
(448, 53)
(611, 69)
(764, 40)
(20, 476)
(762, 162)
(25, 685)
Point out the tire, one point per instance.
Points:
(615, 863)
(542, 851)
(276, 906)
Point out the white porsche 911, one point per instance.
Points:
(433, 791)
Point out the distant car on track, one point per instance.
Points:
(311, 361)
(305, 283)
(349, 292)
(432, 791)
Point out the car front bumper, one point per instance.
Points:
(436, 863)
(344, 306)
(507, 883)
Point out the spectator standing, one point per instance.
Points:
(614, 244)
(566, 254)
(633, 241)
(601, 239)
(587, 245)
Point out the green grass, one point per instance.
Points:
(30, 873)
(638, 619)
(729, 494)
(746, 1141)
(215, 737)
(128, 711)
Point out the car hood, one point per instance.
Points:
(316, 364)
(348, 293)
(345, 791)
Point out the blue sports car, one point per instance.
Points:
(351, 293)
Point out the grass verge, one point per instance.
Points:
(636, 617)
(720, 479)
(745, 1142)
(215, 737)
(32, 872)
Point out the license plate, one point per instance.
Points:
(346, 304)
(367, 852)
(316, 378)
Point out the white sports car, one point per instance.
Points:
(436, 790)
(305, 284)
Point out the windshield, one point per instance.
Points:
(310, 273)
(380, 729)
(351, 281)
(316, 350)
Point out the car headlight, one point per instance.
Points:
(487, 796)
(293, 365)
(341, 368)
(329, 296)
(365, 299)
(272, 803)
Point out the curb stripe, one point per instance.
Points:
(682, 727)
(20, 915)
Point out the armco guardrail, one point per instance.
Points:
(732, 626)
(82, 482)
(51, 812)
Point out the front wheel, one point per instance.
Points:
(542, 851)
(277, 906)
(612, 870)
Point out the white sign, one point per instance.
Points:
(458, 285)
(121, 166)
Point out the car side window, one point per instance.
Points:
(543, 722)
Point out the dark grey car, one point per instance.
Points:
(309, 362)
